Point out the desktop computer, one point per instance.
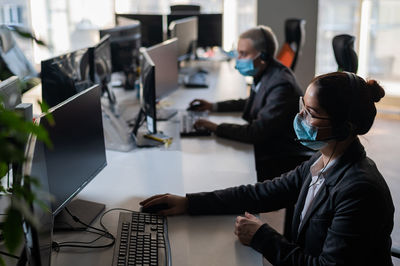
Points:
(10, 93)
(164, 56)
(186, 31)
(151, 26)
(63, 170)
(100, 72)
(125, 44)
(65, 75)
(15, 60)
(209, 27)
(77, 155)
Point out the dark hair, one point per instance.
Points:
(349, 100)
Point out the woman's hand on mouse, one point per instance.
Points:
(176, 204)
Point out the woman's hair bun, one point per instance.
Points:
(377, 92)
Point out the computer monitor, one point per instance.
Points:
(165, 56)
(209, 28)
(147, 92)
(151, 27)
(78, 152)
(10, 93)
(38, 240)
(125, 44)
(65, 75)
(186, 31)
(13, 57)
(100, 73)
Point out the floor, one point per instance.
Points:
(382, 144)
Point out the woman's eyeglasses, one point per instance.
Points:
(308, 116)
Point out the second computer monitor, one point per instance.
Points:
(165, 56)
(65, 75)
(186, 31)
(209, 29)
(148, 91)
(125, 44)
(151, 27)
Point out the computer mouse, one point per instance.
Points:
(154, 208)
(194, 106)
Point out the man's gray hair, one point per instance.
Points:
(263, 38)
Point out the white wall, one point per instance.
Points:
(273, 14)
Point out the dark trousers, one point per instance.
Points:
(271, 168)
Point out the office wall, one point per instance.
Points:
(273, 14)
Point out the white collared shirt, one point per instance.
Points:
(317, 180)
(256, 87)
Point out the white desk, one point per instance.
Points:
(199, 164)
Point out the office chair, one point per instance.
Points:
(185, 9)
(346, 57)
(295, 34)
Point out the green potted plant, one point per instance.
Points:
(14, 133)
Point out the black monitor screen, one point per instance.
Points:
(78, 152)
(10, 93)
(164, 56)
(65, 75)
(100, 57)
(151, 27)
(186, 31)
(210, 28)
(125, 45)
(13, 57)
(148, 90)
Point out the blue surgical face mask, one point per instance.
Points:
(246, 67)
(305, 131)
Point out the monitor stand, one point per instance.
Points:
(86, 211)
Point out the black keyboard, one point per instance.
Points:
(142, 239)
(187, 124)
(196, 80)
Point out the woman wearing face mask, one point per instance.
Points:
(269, 110)
(344, 210)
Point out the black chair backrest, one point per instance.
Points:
(185, 8)
(295, 35)
(346, 57)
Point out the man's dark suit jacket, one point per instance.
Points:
(349, 223)
(269, 113)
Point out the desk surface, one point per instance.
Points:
(198, 164)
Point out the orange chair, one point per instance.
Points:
(294, 40)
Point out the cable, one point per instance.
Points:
(82, 244)
(9, 255)
(323, 169)
(110, 210)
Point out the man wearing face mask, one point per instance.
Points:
(269, 110)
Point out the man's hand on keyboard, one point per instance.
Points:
(175, 204)
(200, 105)
(205, 124)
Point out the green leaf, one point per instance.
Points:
(12, 230)
(2, 263)
(3, 168)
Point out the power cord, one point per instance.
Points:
(9, 255)
(82, 244)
